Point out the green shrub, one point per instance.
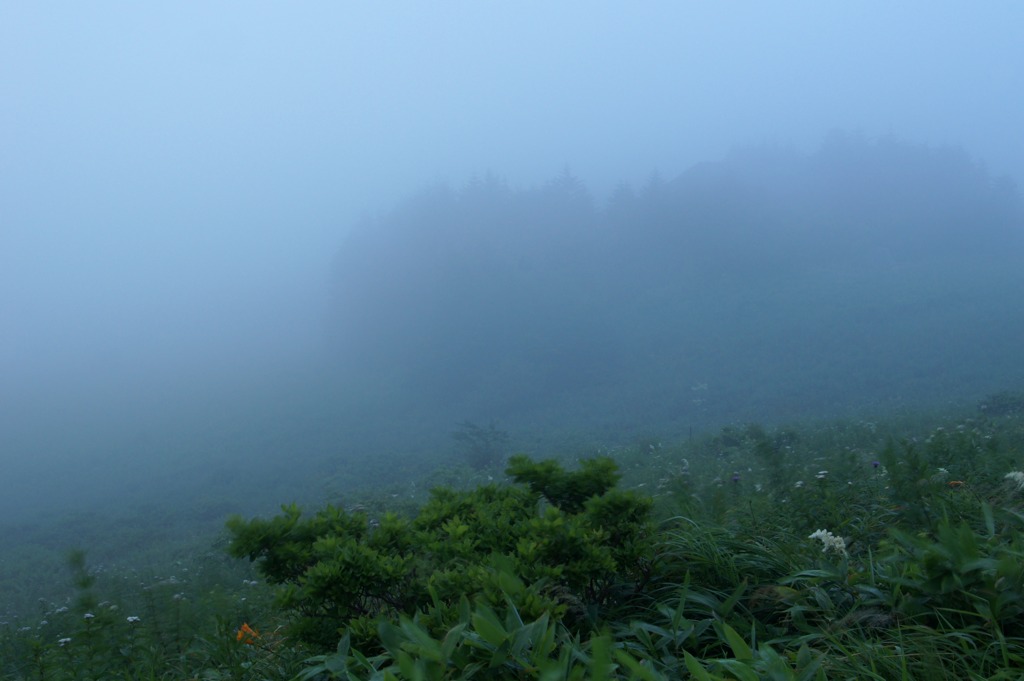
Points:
(581, 550)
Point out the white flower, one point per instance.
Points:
(829, 542)
(821, 475)
(133, 620)
(88, 615)
(799, 484)
(1017, 477)
(63, 642)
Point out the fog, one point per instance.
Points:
(239, 244)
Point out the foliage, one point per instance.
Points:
(565, 490)
(568, 574)
(959, 578)
(583, 553)
(802, 280)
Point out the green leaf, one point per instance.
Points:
(740, 649)
(696, 669)
(500, 655)
(337, 663)
(451, 640)
(774, 666)
(601, 660)
(638, 670)
(740, 669)
(427, 646)
(410, 670)
(390, 637)
(730, 603)
(486, 623)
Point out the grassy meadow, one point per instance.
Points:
(833, 549)
(762, 421)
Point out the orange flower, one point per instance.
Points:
(247, 634)
(955, 484)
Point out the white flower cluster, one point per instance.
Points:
(829, 542)
(1017, 477)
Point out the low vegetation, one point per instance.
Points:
(847, 550)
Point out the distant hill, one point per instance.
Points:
(766, 285)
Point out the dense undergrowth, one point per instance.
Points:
(848, 550)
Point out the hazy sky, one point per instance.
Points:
(173, 175)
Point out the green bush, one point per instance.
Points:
(581, 546)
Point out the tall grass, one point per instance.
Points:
(928, 583)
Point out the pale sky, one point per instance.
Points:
(175, 176)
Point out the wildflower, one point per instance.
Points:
(799, 484)
(956, 484)
(829, 542)
(63, 642)
(735, 477)
(88, 616)
(1017, 477)
(821, 475)
(133, 619)
(247, 634)
(876, 464)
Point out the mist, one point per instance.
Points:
(245, 244)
